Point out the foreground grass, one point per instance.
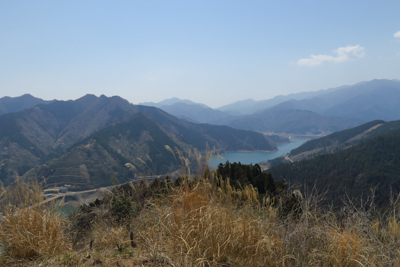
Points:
(198, 224)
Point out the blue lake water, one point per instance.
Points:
(256, 157)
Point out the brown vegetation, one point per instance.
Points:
(29, 229)
(198, 223)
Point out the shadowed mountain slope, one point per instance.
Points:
(138, 146)
(33, 136)
(122, 151)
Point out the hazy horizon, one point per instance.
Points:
(214, 53)
(177, 97)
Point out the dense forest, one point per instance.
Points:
(241, 175)
(346, 138)
(373, 164)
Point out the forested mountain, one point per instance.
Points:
(340, 140)
(15, 104)
(374, 163)
(33, 136)
(337, 141)
(121, 151)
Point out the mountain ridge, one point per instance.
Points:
(34, 136)
(15, 104)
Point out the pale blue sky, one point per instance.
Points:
(213, 52)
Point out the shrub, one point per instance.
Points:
(122, 209)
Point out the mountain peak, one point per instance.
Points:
(15, 104)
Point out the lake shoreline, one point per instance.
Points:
(256, 156)
(253, 151)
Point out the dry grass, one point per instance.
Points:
(204, 225)
(31, 232)
(27, 228)
(201, 224)
(106, 237)
(20, 195)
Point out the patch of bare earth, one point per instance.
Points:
(358, 137)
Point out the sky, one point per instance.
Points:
(211, 52)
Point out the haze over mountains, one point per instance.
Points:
(86, 141)
(307, 113)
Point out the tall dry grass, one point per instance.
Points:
(27, 228)
(205, 225)
(31, 232)
(20, 194)
(207, 222)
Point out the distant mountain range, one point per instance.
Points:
(291, 121)
(87, 141)
(250, 106)
(306, 113)
(365, 101)
(172, 101)
(188, 110)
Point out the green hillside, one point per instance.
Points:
(340, 140)
(374, 163)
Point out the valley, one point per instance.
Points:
(285, 162)
(86, 142)
(200, 133)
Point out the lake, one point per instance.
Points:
(256, 157)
